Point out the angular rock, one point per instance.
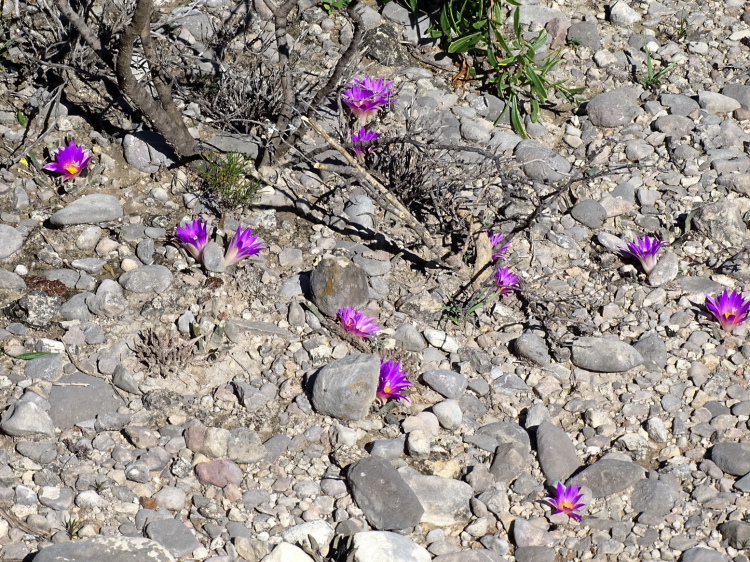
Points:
(236, 330)
(526, 533)
(736, 533)
(721, 222)
(147, 279)
(653, 350)
(382, 494)
(445, 500)
(85, 399)
(10, 280)
(621, 14)
(557, 453)
(605, 355)
(532, 347)
(654, 497)
(337, 283)
(48, 368)
(346, 388)
(534, 554)
(320, 531)
(732, 458)
(608, 476)
(37, 308)
(109, 300)
(111, 549)
(89, 209)
(539, 162)
(408, 337)
(25, 419)
(507, 432)
(173, 535)
(382, 546)
(449, 384)
(589, 213)
(510, 460)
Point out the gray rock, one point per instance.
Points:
(346, 388)
(445, 500)
(145, 251)
(526, 533)
(532, 347)
(10, 280)
(48, 368)
(449, 384)
(739, 92)
(12, 241)
(589, 213)
(539, 162)
(111, 549)
(714, 102)
(147, 279)
(109, 300)
(336, 283)
(680, 104)
(236, 330)
(653, 496)
(360, 210)
(585, 33)
(26, 419)
(171, 497)
(534, 554)
(557, 453)
(320, 531)
(614, 108)
(675, 126)
(448, 413)
(74, 404)
(245, 446)
(736, 533)
(37, 308)
(621, 14)
(373, 268)
(382, 546)
(67, 277)
(75, 307)
(382, 494)
(700, 554)
(665, 270)
(55, 498)
(213, 258)
(147, 151)
(656, 430)
(408, 337)
(89, 209)
(653, 350)
(123, 379)
(510, 383)
(511, 459)
(507, 432)
(721, 222)
(605, 355)
(732, 458)
(173, 535)
(475, 555)
(276, 446)
(608, 476)
(42, 452)
(89, 265)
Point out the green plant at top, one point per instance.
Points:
(513, 66)
(652, 80)
(72, 525)
(227, 178)
(332, 6)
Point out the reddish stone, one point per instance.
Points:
(219, 473)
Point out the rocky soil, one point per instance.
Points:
(201, 413)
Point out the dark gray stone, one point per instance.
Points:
(605, 355)
(74, 404)
(173, 535)
(507, 432)
(614, 108)
(679, 104)
(48, 368)
(336, 284)
(89, 209)
(41, 452)
(608, 476)
(655, 497)
(384, 497)
(539, 162)
(510, 460)
(534, 554)
(449, 384)
(276, 446)
(346, 388)
(732, 458)
(739, 92)
(736, 533)
(653, 350)
(408, 337)
(123, 379)
(147, 279)
(589, 213)
(58, 499)
(75, 307)
(111, 549)
(532, 347)
(585, 33)
(557, 453)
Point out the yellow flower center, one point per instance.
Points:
(387, 387)
(72, 168)
(566, 505)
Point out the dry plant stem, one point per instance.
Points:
(281, 13)
(12, 160)
(162, 88)
(160, 114)
(382, 196)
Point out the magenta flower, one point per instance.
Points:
(566, 500)
(644, 250)
(193, 236)
(363, 135)
(506, 281)
(357, 323)
(71, 160)
(392, 381)
(497, 240)
(364, 97)
(243, 244)
(729, 309)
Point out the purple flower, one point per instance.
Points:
(363, 135)
(506, 281)
(193, 236)
(497, 240)
(729, 309)
(566, 500)
(392, 381)
(357, 323)
(71, 160)
(365, 96)
(243, 244)
(645, 250)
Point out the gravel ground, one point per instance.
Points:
(203, 413)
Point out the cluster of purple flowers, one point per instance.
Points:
(393, 379)
(70, 161)
(194, 237)
(364, 97)
(505, 280)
